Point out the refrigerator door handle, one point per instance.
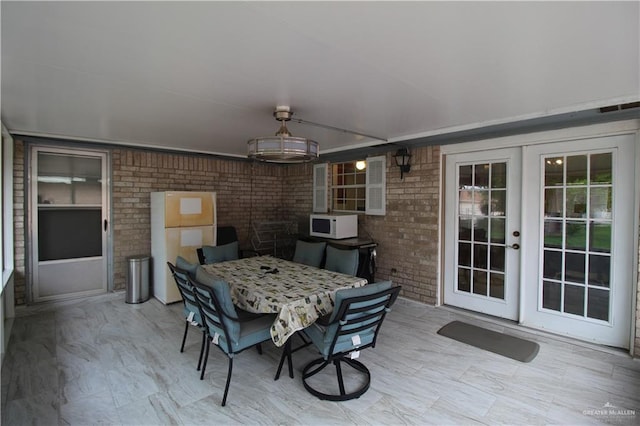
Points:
(105, 224)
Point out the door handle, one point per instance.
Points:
(515, 246)
(105, 224)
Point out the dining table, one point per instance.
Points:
(299, 294)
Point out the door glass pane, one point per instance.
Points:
(69, 233)
(69, 189)
(497, 231)
(551, 295)
(552, 264)
(480, 256)
(481, 202)
(574, 267)
(480, 282)
(574, 299)
(553, 202)
(576, 170)
(498, 175)
(576, 202)
(464, 228)
(599, 270)
(600, 237)
(601, 168)
(466, 177)
(481, 228)
(465, 203)
(577, 238)
(496, 285)
(498, 202)
(464, 254)
(553, 233)
(598, 304)
(554, 171)
(481, 175)
(497, 256)
(464, 280)
(576, 235)
(65, 179)
(600, 203)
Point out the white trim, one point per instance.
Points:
(550, 136)
(440, 255)
(515, 119)
(320, 205)
(636, 245)
(376, 182)
(7, 207)
(124, 144)
(7, 298)
(524, 205)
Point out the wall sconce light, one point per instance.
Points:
(403, 159)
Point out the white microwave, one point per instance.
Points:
(335, 226)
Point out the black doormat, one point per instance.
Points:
(492, 341)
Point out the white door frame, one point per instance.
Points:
(611, 333)
(627, 127)
(105, 260)
(508, 306)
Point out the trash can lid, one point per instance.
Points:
(138, 258)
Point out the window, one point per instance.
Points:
(355, 186)
(349, 186)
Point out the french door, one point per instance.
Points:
(482, 231)
(579, 247)
(68, 223)
(543, 235)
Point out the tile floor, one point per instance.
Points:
(101, 361)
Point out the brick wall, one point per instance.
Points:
(19, 278)
(407, 235)
(298, 201)
(245, 192)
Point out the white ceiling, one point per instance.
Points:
(206, 76)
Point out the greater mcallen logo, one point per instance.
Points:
(611, 411)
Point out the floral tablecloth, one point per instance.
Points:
(298, 293)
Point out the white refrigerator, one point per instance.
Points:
(181, 222)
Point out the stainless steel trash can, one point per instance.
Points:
(137, 279)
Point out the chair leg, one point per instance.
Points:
(206, 358)
(318, 365)
(226, 388)
(204, 340)
(290, 359)
(286, 354)
(336, 362)
(184, 337)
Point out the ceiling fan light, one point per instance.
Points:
(282, 148)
